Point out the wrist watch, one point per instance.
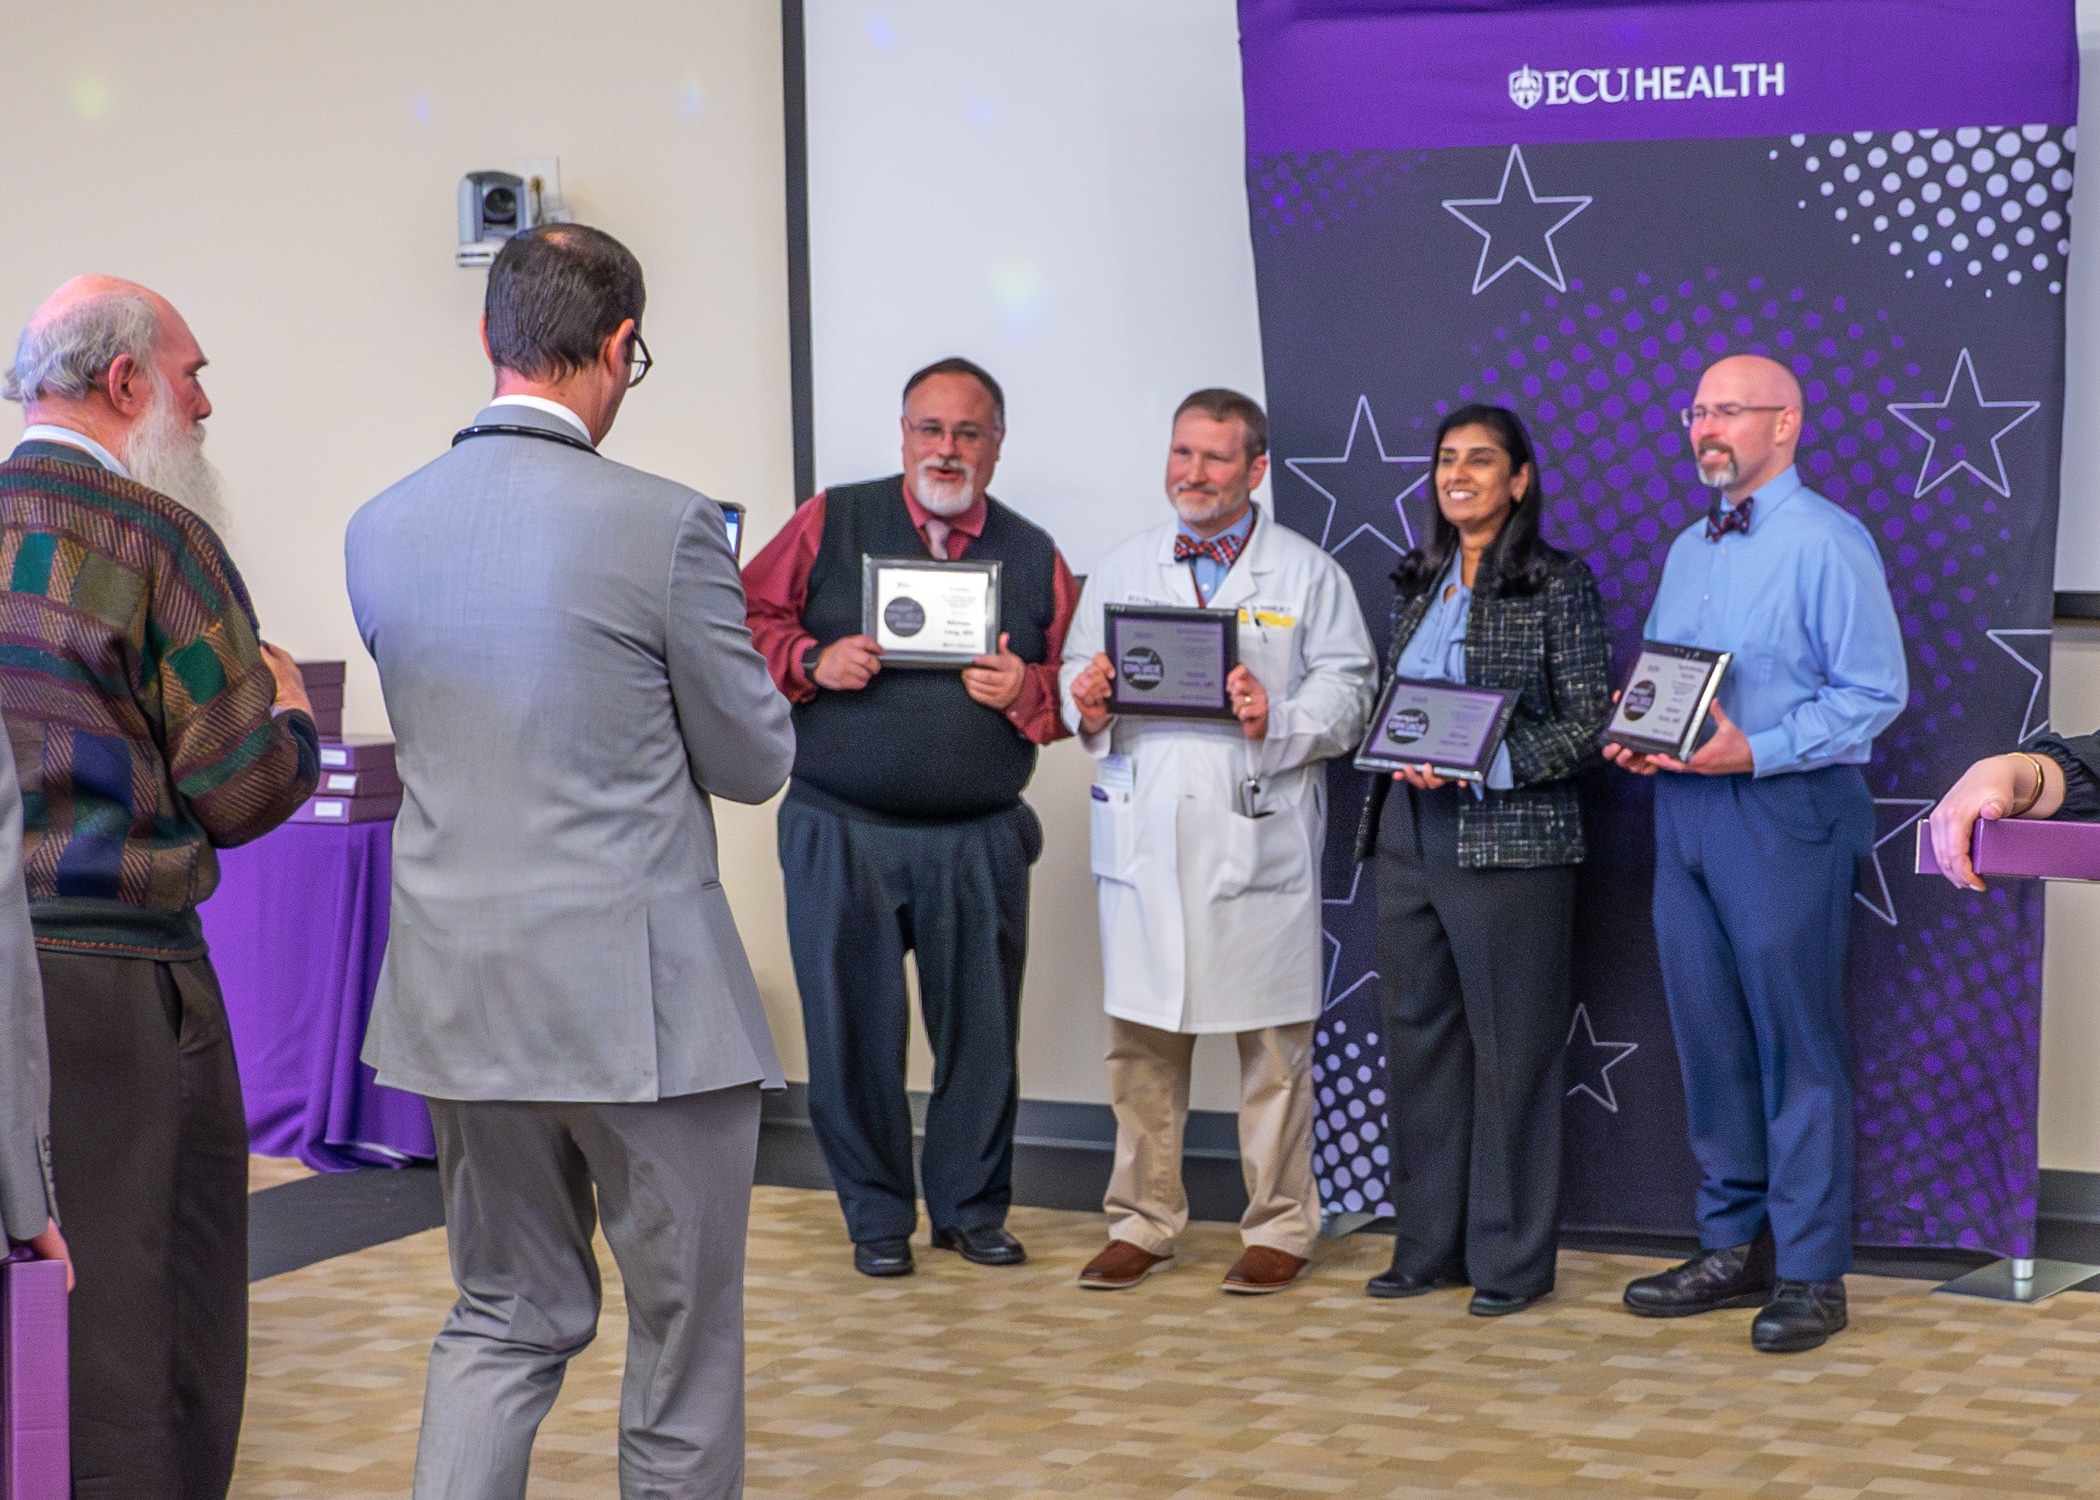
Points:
(811, 654)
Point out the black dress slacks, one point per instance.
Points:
(862, 891)
(149, 1148)
(1474, 981)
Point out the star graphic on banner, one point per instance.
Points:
(1959, 429)
(1595, 1070)
(1363, 477)
(1902, 813)
(1334, 948)
(2029, 724)
(1525, 225)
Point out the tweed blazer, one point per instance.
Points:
(1550, 647)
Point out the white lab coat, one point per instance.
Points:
(1210, 920)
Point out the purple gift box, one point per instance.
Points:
(2049, 850)
(357, 752)
(34, 1461)
(348, 809)
(323, 674)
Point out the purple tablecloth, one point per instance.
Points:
(297, 929)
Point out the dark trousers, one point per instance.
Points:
(1474, 981)
(1753, 907)
(861, 893)
(149, 1145)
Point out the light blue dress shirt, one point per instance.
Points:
(1209, 571)
(1802, 601)
(1436, 652)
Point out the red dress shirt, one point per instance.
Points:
(776, 586)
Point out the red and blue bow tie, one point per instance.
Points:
(1720, 522)
(1224, 550)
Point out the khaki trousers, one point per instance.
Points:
(1148, 1084)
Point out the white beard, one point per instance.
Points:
(945, 496)
(166, 453)
(1718, 479)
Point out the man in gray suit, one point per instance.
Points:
(562, 647)
(28, 1206)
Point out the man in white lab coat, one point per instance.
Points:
(1206, 847)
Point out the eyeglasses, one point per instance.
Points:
(968, 434)
(638, 361)
(1727, 411)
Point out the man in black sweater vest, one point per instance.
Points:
(903, 829)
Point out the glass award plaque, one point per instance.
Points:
(1663, 705)
(1171, 662)
(733, 522)
(1453, 729)
(924, 613)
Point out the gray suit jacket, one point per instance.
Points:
(27, 1203)
(562, 646)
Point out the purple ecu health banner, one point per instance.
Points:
(1572, 210)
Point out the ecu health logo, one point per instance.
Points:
(1526, 87)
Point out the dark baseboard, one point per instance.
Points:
(2081, 607)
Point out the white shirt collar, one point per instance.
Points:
(551, 408)
(46, 432)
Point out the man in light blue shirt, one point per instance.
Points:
(1756, 840)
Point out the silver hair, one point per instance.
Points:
(67, 355)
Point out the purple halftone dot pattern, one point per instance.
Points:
(1309, 191)
(1350, 1154)
(1944, 1030)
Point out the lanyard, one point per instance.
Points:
(517, 429)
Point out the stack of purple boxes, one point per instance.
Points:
(34, 1463)
(358, 782)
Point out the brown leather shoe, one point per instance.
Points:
(1261, 1269)
(1121, 1265)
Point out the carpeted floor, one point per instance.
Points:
(1012, 1383)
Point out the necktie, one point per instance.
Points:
(1224, 550)
(937, 532)
(1720, 522)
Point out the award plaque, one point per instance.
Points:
(733, 520)
(1663, 705)
(924, 613)
(1171, 662)
(1453, 729)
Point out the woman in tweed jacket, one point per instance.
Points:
(1476, 888)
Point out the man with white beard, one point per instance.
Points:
(150, 727)
(904, 829)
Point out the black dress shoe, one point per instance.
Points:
(1399, 1283)
(1498, 1304)
(1740, 1276)
(883, 1258)
(1801, 1315)
(989, 1246)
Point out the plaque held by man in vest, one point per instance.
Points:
(1663, 706)
(930, 614)
(1171, 662)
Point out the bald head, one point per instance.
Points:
(1746, 423)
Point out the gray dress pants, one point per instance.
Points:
(673, 1183)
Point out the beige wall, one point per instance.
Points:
(2070, 1134)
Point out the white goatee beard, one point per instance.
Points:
(941, 494)
(165, 452)
(1721, 480)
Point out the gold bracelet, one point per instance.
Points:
(2041, 782)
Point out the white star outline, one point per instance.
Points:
(1362, 417)
(1481, 279)
(2028, 723)
(1926, 478)
(1334, 949)
(1886, 907)
(1610, 1097)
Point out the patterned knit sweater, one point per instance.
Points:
(138, 703)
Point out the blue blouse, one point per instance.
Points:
(1436, 652)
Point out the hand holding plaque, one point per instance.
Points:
(1664, 704)
(930, 614)
(1453, 729)
(1172, 662)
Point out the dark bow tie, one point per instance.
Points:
(1224, 550)
(1720, 522)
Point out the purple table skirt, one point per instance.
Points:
(297, 929)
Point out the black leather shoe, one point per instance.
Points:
(989, 1246)
(1498, 1305)
(1801, 1315)
(1740, 1276)
(1398, 1283)
(883, 1258)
